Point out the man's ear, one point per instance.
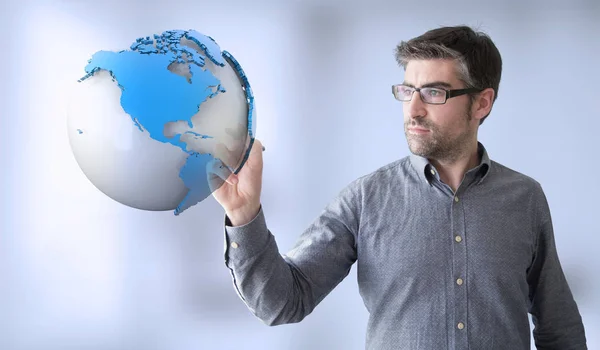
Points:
(482, 105)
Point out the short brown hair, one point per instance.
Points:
(479, 61)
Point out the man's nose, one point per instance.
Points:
(415, 107)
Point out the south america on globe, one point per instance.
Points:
(159, 126)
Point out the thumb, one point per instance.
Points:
(218, 173)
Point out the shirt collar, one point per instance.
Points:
(424, 167)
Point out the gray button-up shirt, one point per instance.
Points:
(436, 269)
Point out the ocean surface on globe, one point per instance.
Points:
(160, 125)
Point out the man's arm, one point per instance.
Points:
(555, 315)
(285, 289)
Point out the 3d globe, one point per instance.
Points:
(160, 125)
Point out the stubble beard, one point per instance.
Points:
(436, 144)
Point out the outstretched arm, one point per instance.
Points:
(285, 289)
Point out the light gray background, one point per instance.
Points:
(80, 271)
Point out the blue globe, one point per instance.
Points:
(160, 125)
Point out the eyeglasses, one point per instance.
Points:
(431, 95)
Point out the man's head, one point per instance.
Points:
(449, 58)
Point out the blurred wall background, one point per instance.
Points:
(80, 271)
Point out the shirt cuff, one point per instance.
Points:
(245, 241)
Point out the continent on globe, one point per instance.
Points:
(168, 115)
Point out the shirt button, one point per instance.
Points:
(460, 325)
(459, 281)
(234, 245)
(456, 198)
(458, 239)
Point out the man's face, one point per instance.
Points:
(450, 126)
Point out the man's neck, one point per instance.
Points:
(452, 172)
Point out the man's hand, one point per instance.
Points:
(239, 194)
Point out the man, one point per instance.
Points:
(453, 249)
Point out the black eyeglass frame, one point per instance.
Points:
(449, 93)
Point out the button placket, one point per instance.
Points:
(459, 269)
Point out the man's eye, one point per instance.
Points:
(433, 92)
(406, 91)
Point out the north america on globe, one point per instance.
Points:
(170, 87)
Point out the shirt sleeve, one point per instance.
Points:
(281, 289)
(556, 318)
